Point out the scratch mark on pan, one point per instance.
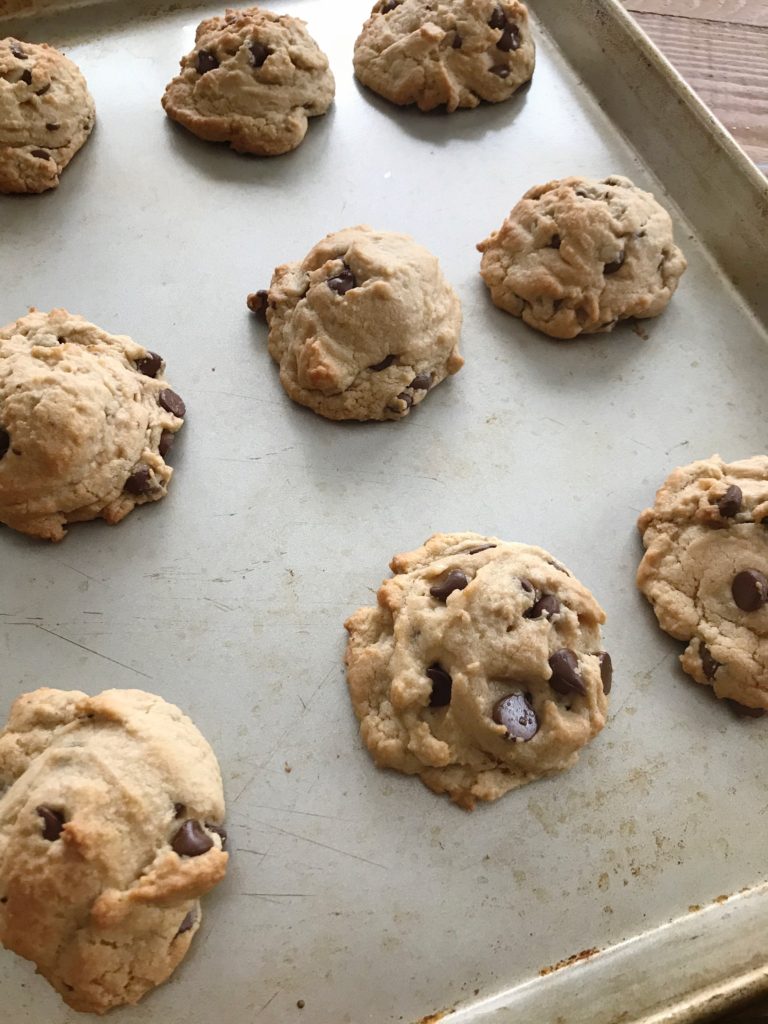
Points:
(271, 998)
(88, 649)
(325, 846)
(78, 571)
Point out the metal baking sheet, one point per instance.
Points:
(628, 888)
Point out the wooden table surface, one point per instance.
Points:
(721, 48)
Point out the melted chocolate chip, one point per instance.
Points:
(441, 686)
(150, 364)
(191, 840)
(259, 53)
(166, 442)
(547, 605)
(5, 442)
(257, 303)
(606, 671)
(172, 403)
(52, 127)
(405, 397)
(178, 810)
(743, 711)
(708, 664)
(517, 716)
(385, 362)
(187, 923)
(390, 5)
(730, 503)
(750, 590)
(501, 70)
(342, 282)
(566, 677)
(457, 42)
(53, 822)
(555, 242)
(614, 265)
(498, 18)
(455, 580)
(527, 586)
(26, 76)
(41, 154)
(483, 547)
(510, 38)
(206, 61)
(138, 482)
(220, 831)
(421, 382)
(18, 53)
(44, 90)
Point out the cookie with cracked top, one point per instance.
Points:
(111, 811)
(705, 571)
(481, 668)
(253, 80)
(575, 256)
(456, 53)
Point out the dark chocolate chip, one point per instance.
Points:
(150, 364)
(206, 61)
(606, 671)
(441, 686)
(390, 5)
(517, 716)
(191, 840)
(498, 18)
(257, 303)
(178, 810)
(614, 265)
(26, 76)
(547, 605)
(172, 403)
(44, 90)
(555, 242)
(5, 442)
(259, 53)
(385, 362)
(52, 127)
(750, 590)
(708, 664)
(342, 282)
(510, 38)
(501, 70)
(138, 482)
(53, 822)
(421, 382)
(483, 547)
(41, 154)
(220, 831)
(527, 586)
(743, 711)
(187, 923)
(405, 397)
(566, 677)
(18, 53)
(730, 503)
(455, 580)
(457, 42)
(166, 442)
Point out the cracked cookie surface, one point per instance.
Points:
(253, 80)
(86, 420)
(705, 571)
(111, 811)
(481, 668)
(46, 114)
(452, 53)
(364, 327)
(575, 256)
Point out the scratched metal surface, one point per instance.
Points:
(354, 890)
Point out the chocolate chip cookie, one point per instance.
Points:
(253, 80)
(364, 327)
(46, 114)
(576, 256)
(481, 668)
(705, 571)
(455, 53)
(86, 422)
(111, 811)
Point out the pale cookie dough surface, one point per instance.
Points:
(576, 256)
(467, 622)
(364, 327)
(452, 53)
(705, 571)
(86, 420)
(100, 868)
(253, 80)
(46, 114)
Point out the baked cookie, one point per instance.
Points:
(481, 668)
(576, 256)
(364, 327)
(253, 80)
(452, 53)
(111, 812)
(46, 114)
(705, 571)
(86, 421)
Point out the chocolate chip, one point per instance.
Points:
(385, 362)
(138, 482)
(44, 90)
(606, 671)
(421, 382)
(18, 53)
(259, 53)
(187, 923)
(614, 265)
(257, 303)
(178, 810)
(191, 840)
(555, 242)
(220, 831)
(527, 586)
(53, 822)
(501, 70)
(390, 5)
(510, 38)
(730, 503)
(547, 605)
(405, 397)
(566, 677)
(441, 686)
(455, 580)
(708, 664)
(517, 716)
(342, 282)
(172, 403)
(166, 442)
(41, 154)
(5, 442)
(750, 590)
(743, 711)
(206, 61)
(483, 547)
(52, 127)
(26, 76)
(150, 364)
(498, 18)
(457, 42)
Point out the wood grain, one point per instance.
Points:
(741, 12)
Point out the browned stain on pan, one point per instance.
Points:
(585, 954)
